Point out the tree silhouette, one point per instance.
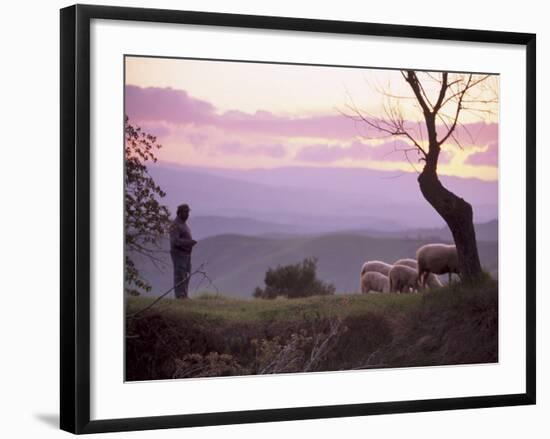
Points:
(443, 98)
(145, 218)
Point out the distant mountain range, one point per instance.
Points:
(207, 226)
(484, 232)
(247, 221)
(314, 200)
(237, 264)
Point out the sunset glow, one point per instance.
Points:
(247, 115)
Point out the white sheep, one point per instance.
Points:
(375, 266)
(407, 262)
(374, 281)
(437, 259)
(403, 279)
(378, 266)
(432, 280)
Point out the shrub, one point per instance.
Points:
(294, 280)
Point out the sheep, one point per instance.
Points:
(407, 262)
(437, 259)
(378, 266)
(374, 281)
(403, 279)
(432, 280)
(375, 266)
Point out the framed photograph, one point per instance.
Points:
(274, 218)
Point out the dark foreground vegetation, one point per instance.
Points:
(217, 336)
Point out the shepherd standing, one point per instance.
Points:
(181, 244)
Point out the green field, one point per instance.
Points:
(213, 335)
(229, 309)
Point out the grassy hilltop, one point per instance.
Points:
(237, 264)
(213, 335)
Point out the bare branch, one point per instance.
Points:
(411, 78)
(458, 108)
(188, 276)
(394, 126)
(442, 92)
(462, 91)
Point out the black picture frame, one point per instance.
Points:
(75, 217)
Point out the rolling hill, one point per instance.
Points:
(207, 226)
(247, 221)
(316, 200)
(237, 264)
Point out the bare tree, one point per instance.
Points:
(443, 99)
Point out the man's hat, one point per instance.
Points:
(184, 207)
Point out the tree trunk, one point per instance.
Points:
(458, 215)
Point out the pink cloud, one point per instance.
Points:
(445, 156)
(196, 139)
(478, 133)
(238, 148)
(489, 157)
(328, 154)
(157, 129)
(390, 151)
(166, 111)
(165, 104)
(176, 106)
(325, 126)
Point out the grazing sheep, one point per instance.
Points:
(374, 281)
(375, 266)
(378, 266)
(432, 280)
(437, 259)
(407, 262)
(403, 279)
